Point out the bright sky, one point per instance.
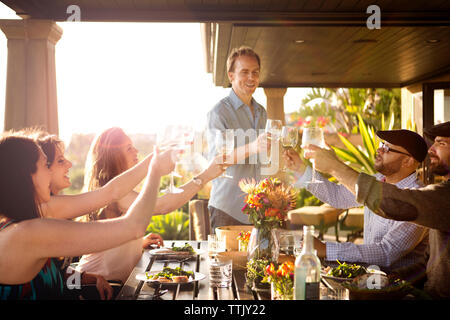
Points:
(139, 76)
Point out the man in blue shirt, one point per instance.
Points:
(247, 118)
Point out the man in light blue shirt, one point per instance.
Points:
(247, 118)
(388, 244)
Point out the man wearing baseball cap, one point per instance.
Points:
(387, 243)
(428, 206)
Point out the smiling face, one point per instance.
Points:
(245, 77)
(60, 171)
(439, 154)
(41, 179)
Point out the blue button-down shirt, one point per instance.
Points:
(232, 113)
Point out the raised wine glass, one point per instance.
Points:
(224, 142)
(289, 139)
(173, 137)
(273, 130)
(313, 135)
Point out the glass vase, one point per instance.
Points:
(263, 245)
(263, 248)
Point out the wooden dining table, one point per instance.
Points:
(136, 289)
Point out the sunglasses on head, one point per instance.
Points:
(386, 149)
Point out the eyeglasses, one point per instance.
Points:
(386, 149)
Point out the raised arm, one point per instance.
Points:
(172, 201)
(428, 206)
(32, 241)
(72, 206)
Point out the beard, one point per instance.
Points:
(387, 169)
(440, 168)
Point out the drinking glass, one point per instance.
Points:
(220, 271)
(289, 139)
(216, 245)
(224, 142)
(273, 128)
(173, 137)
(314, 136)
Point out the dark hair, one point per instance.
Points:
(49, 143)
(18, 159)
(242, 51)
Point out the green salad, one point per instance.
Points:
(186, 248)
(345, 270)
(168, 273)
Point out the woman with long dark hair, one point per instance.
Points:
(28, 241)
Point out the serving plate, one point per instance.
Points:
(143, 277)
(168, 252)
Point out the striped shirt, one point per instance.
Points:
(232, 113)
(387, 243)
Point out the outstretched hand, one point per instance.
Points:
(325, 160)
(163, 162)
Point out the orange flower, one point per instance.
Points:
(270, 269)
(272, 212)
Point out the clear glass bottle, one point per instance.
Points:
(307, 269)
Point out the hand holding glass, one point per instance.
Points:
(289, 139)
(313, 136)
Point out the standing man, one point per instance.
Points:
(387, 243)
(428, 206)
(239, 111)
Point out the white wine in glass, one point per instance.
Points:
(314, 136)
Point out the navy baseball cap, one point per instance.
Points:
(410, 140)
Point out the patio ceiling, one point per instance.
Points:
(301, 43)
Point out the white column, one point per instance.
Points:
(31, 98)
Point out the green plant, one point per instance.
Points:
(255, 270)
(305, 198)
(362, 158)
(171, 226)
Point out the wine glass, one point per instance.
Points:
(289, 139)
(314, 136)
(224, 142)
(273, 128)
(215, 245)
(173, 137)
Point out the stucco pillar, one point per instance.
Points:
(31, 98)
(275, 103)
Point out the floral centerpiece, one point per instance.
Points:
(243, 239)
(281, 278)
(266, 204)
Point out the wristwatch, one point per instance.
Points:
(197, 181)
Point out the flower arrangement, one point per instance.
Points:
(243, 238)
(281, 278)
(267, 202)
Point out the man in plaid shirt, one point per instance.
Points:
(387, 243)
